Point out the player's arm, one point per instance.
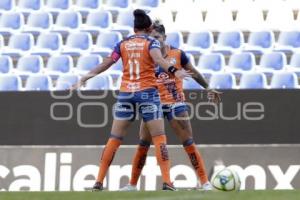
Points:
(107, 63)
(196, 75)
(159, 60)
(102, 67)
(212, 95)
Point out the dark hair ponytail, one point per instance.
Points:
(141, 20)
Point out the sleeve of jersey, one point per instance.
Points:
(154, 44)
(184, 59)
(116, 54)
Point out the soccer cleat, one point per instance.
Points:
(128, 188)
(207, 186)
(97, 187)
(168, 187)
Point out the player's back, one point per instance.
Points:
(138, 66)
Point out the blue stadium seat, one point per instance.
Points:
(284, 80)
(65, 82)
(241, 62)
(47, 44)
(260, 42)
(106, 42)
(100, 82)
(271, 62)
(98, 22)
(87, 63)
(10, 82)
(191, 84)
(77, 44)
(115, 6)
(11, 23)
(199, 42)
(38, 22)
(57, 65)
(56, 6)
(147, 5)
(1, 42)
(86, 6)
(294, 65)
(175, 39)
(222, 81)
(229, 42)
(19, 44)
(115, 71)
(7, 5)
(288, 42)
(29, 6)
(6, 64)
(210, 63)
(124, 23)
(253, 80)
(67, 22)
(28, 65)
(38, 83)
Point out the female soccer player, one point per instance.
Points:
(138, 91)
(174, 109)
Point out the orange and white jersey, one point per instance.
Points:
(170, 87)
(138, 66)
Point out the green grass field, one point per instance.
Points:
(161, 195)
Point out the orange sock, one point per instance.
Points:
(107, 157)
(162, 156)
(196, 160)
(138, 161)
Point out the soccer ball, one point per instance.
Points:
(226, 180)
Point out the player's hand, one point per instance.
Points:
(77, 86)
(214, 96)
(182, 74)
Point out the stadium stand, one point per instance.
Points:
(65, 82)
(11, 22)
(284, 80)
(97, 22)
(86, 63)
(10, 82)
(271, 62)
(77, 44)
(253, 80)
(288, 42)
(229, 42)
(242, 33)
(87, 6)
(222, 81)
(28, 6)
(260, 42)
(19, 45)
(240, 63)
(294, 65)
(211, 63)
(7, 5)
(175, 39)
(48, 44)
(6, 65)
(58, 65)
(106, 42)
(199, 42)
(38, 22)
(100, 82)
(38, 83)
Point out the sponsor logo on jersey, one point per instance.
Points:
(134, 45)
